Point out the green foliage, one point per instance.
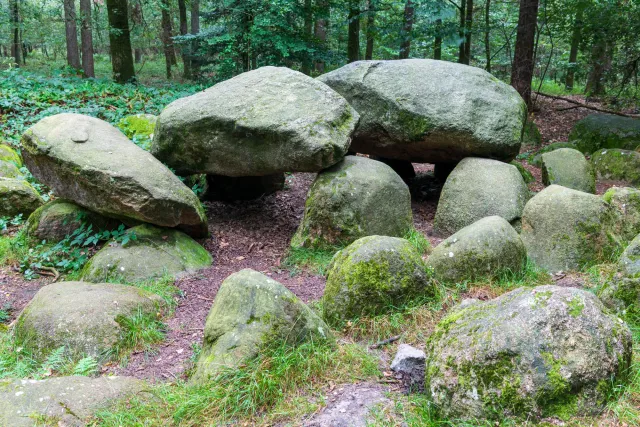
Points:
(6, 222)
(418, 240)
(280, 382)
(317, 260)
(138, 332)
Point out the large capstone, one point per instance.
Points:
(18, 197)
(357, 197)
(60, 218)
(565, 229)
(478, 188)
(149, 253)
(86, 319)
(372, 276)
(531, 353)
(270, 120)
(62, 401)
(252, 311)
(613, 163)
(599, 131)
(568, 167)
(92, 163)
(429, 111)
(489, 247)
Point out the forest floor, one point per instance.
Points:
(256, 235)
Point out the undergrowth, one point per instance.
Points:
(281, 383)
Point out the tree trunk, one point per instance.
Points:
(167, 43)
(487, 30)
(71, 34)
(16, 49)
(371, 25)
(120, 40)
(320, 32)
(468, 27)
(437, 42)
(463, 16)
(308, 36)
(573, 54)
(138, 20)
(195, 29)
(407, 28)
(522, 70)
(600, 63)
(353, 43)
(87, 39)
(184, 30)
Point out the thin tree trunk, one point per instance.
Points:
(468, 27)
(87, 39)
(437, 42)
(522, 70)
(599, 65)
(184, 30)
(120, 40)
(167, 43)
(16, 49)
(463, 17)
(308, 35)
(353, 43)
(320, 31)
(573, 54)
(71, 34)
(407, 28)
(195, 29)
(371, 25)
(138, 21)
(487, 30)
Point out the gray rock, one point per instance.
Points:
(18, 197)
(63, 401)
(489, 247)
(372, 276)
(429, 111)
(60, 218)
(251, 311)
(625, 206)
(92, 163)
(83, 318)
(565, 229)
(629, 261)
(478, 188)
(599, 131)
(569, 168)
(536, 160)
(155, 252)
(357, 197)
(410, 362)
(531, 353)
(270, 120)
(612, 163)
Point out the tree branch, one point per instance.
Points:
(588, 107)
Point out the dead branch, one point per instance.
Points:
(385, 342)
(588, 107)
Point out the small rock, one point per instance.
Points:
(18, 197)
(410, 361)
(568, 167)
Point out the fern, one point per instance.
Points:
(86, 366)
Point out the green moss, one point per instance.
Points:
(8, 154)
(415, 126)
(575, 306)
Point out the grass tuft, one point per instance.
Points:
(417, 239)
(316, 260)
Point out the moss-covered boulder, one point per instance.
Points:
(62, 401)
(92, 163)
(629, 261)
(531, 353)
(10, 155)
(357, 197)
(18, 197)
(150, 252)
(621, 293)
(478, 188)
(489, 247)
(531, 135)
(568, 167)
(565, 229)
(613, 163)
(242, 187)
(372, 276)
(599, 131)
(60, 218)
(536, 160)
(266, 121)
(252, 311)
(428, 111)
(625, 206)
(86, 319)
(139, 128)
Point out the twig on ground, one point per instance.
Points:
(385, 342)
(583, 105)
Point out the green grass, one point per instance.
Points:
(315, 260)
(551, 87)
(282, 383)
(418, 240)
(138, 333)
